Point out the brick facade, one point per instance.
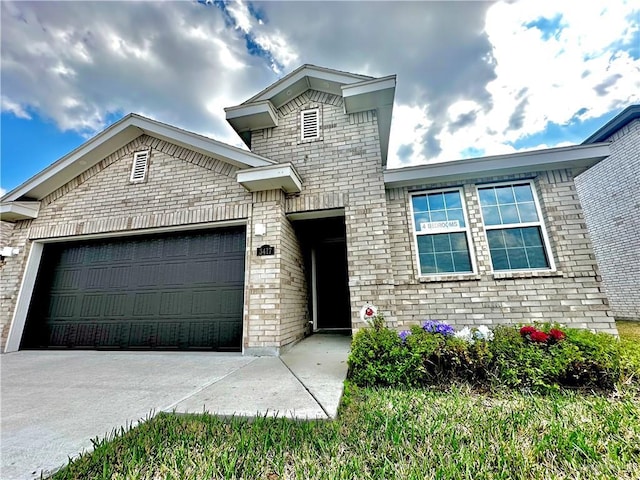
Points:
(610, 195)
(342, 174)
(571, 295)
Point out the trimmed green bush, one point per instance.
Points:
(540, 358)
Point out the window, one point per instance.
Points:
(310, 124)
(441, 232)
(515, 232)
(140, 166)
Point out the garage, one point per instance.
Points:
(178, 291)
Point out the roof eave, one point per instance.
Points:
(117, 135)
(579, 156)
(616, 123)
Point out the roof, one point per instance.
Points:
(577, 156)
(116, 136)
(616, 123)
(360, 93)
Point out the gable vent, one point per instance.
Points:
(140, 164)
(310, 124)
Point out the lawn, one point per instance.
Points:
(387, 433)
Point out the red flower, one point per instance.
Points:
(539, 336)
(556, 334)
(527, 330)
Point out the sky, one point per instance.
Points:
(473, 78)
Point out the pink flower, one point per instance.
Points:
(539, 336)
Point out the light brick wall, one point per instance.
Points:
(610, 195)
(572, 295)
(276, 294)
(183, 188)
(341, 170)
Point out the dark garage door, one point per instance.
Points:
(177, 291)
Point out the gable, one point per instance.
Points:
(177, 179)
(115, 137)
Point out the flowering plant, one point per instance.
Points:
(538, 336)
(483, 333)
(404, 334)
(470, 336)
(435, 326)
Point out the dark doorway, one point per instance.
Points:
(325, 248)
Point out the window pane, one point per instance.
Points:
(452, 200)
(513, 238)
(438, 215)
(451, 253)
(444, 263)
(487, 197)
(419, 203)
(523, 193)
(427, 263)
(505, 194)
(532, 236)
(509, 214)
(421, 218)
(436, 201)
(456, 214)
(441, 243)
(425, 244)
(537, 258)
(495, 239)
(528, 212)
(499, 259)
(458, 242)
(461, 262)
(517, 258)
(491, 215)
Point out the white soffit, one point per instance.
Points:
(369, 95)
(254, 116)
(274, 177)
(580, 156)
(14, 211)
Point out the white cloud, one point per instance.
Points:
(18, 110)
(473, 78)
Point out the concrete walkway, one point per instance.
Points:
(53, 403)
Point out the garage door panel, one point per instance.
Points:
(158, 292)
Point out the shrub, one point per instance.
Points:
(542, 357)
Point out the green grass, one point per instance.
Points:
(629, 330)
(390, 434)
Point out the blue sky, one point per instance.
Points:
(473, 78)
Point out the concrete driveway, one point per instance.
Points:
(53, 403)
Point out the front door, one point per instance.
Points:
(332, 289)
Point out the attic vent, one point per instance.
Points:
(310, 121)
(139, 168)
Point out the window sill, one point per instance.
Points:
(461, 277)
(531, 274)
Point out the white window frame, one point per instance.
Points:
(466, 229)
(308, 111)
(540, 223)
(136, 156)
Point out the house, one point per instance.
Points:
(148, 236)
(610, 196)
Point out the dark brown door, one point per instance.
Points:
(172, 291)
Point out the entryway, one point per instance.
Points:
(324, 246)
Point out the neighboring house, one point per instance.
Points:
(148, 236)
(610, 195)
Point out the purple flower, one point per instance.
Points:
(434, 326)
(403, 335)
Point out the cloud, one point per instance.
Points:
(473, 77)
